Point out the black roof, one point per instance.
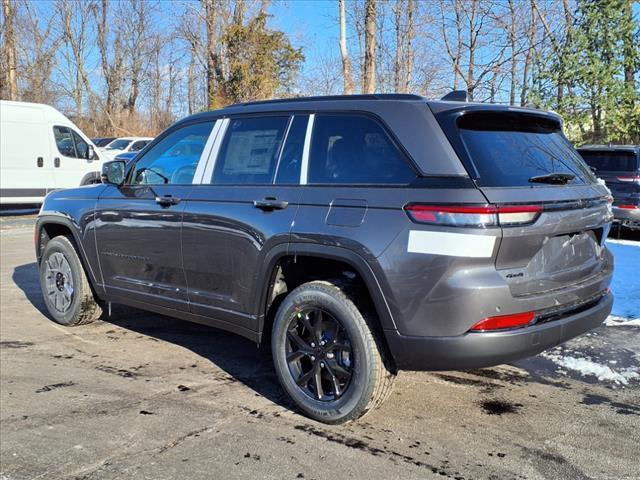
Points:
(359, 102)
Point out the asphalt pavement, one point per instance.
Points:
(142, 396)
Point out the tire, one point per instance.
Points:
(65, 287)
(356, 350)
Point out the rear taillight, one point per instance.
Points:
(628, 207)
(473, 215)
(502, 322)
(630, 178)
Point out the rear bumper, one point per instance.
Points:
(627, 216)
(476, 350)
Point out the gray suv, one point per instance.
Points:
(361, 235)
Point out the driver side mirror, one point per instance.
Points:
(113, 172)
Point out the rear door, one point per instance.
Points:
(512, 157)
(25, 156)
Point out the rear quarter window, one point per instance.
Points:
(355, 149)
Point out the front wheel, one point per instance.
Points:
(326, 354)
(65, 287)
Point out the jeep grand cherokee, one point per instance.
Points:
(362, 235)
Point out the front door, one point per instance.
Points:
(139, 224)
(71, 160)
(244, 208)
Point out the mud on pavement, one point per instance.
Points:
(144, 396)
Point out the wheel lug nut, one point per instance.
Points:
(322, 342)
(329, 355)
(321, 364)
(313, 359)
(313, 345)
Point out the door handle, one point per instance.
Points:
(167, 201)
(269, 204)
(56, 162)
(40, 162)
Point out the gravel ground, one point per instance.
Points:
(145, 396)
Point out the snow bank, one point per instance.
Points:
(587, 367)
(613, 321)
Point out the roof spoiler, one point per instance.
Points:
(456, 96)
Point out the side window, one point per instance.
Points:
(139, 145)
(249, 150)
(288, 169)
(64, 141)
(174, 158)
(82, 148)
(349, 149)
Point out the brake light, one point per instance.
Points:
(628, 207)
(473, 215)
(632, 178)
(516, 320)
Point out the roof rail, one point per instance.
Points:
(456, 96)
(373, 96)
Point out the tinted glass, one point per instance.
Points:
(249, 151)
(120, 144)
(611, 161)
(139, 145)
(64, 141)
(288, 171)
(507, 150)
(348, 149)
(82, 148)
(174, 158)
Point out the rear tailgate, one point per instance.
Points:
(503, 150)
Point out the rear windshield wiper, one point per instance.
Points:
(556, 178)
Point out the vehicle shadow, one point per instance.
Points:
(26, 277)
(236, 356)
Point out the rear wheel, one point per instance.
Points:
(65, 287)
(326, 354)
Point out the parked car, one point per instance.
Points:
(42, 150)
(619, 167)
(361, 234)
(102, 141)
(124, 145)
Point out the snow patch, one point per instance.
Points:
(587, 367)
(615, 321)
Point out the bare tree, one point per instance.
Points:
(137, 21)
(74, 21)
(112, 65)
(404, 26)
(346, 62)
(213, 64)
(10, 50)
(369, 75)
(531, 39)
(513, 49)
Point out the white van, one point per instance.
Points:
(42, 150)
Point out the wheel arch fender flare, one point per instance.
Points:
(267, 272)
(72, 226)
(90, 178)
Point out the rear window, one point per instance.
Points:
(611, 161)
(508, 149)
